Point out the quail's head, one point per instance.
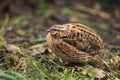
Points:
(58, 31)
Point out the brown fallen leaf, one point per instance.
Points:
(93, 72)
(38, 51)
(42, 49)
(12, 48)
(100, 73)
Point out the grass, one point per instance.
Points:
(30, 68)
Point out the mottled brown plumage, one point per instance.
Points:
(74, 42)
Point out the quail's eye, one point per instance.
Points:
(53, 32)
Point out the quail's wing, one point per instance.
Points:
(83, 38)
(71, 52)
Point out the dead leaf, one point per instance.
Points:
(39, 51)
(97, 73)
(42, 49)
(12, 48)
(100, 73)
